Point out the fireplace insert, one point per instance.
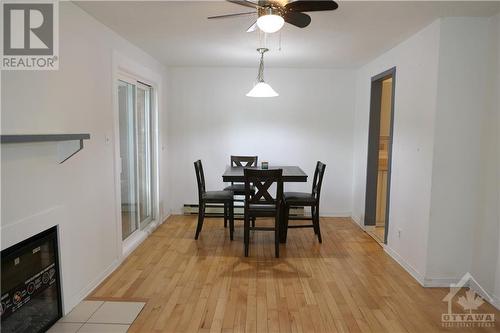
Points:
(31, 288)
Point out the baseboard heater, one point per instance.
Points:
(217, 210)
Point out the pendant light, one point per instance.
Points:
(262, 89)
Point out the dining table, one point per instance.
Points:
(291, 173)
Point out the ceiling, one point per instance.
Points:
(178, 33)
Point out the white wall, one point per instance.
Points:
(78, 195)
(416, 62)
(445, 183)
(487, 236)
(210, 118)
(463, 231)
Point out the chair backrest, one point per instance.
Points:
(244, 161)
(263, 180)
(318, 179)
(200, 178)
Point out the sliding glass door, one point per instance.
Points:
(136, 153)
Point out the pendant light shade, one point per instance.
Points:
(261, 88)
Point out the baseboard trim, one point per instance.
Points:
(439, 282)
(407, 267)
(496, 302)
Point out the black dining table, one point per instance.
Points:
(291, 173)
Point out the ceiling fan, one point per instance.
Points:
(272, 14)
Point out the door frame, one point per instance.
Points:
(373, 149)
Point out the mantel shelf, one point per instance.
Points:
(65, 147)
(23, 138)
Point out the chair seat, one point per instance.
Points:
(299, 198)
(262, 210)
(265, 207)
(218, 196)
(239, 189)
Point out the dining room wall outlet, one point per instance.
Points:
(399, 233)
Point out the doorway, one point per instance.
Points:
(380, 140)
(136, 153)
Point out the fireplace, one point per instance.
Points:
(31, 287)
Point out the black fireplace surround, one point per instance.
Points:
(31, 287)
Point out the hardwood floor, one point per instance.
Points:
(346, 284)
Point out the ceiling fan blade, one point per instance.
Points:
(231, 15)
(311, 5)
(245, 3)
(297, 19)
(253, 27)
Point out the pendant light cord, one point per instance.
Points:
(260, 77)
(279, 48)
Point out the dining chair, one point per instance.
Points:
(239, 188)
(220, 197)
(241, 161)
(262, 203)
(292, 199)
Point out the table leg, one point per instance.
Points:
(283, 230)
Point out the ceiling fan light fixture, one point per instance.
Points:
(270, 23)
(270, 20)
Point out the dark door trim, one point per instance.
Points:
(373, 148)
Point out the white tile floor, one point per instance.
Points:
(99, 317)
(117, 313)
(82, 312)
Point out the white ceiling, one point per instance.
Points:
(178, 33)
